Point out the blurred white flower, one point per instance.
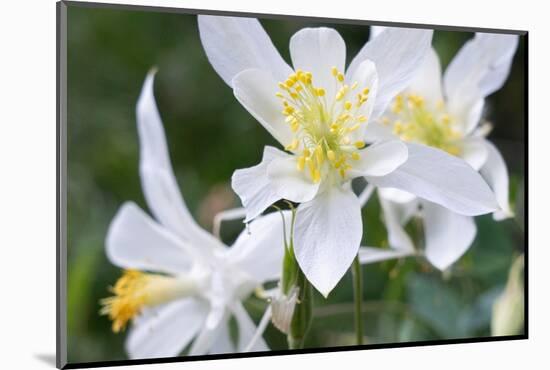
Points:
(193, 283)
(446, 113)
(319, 114)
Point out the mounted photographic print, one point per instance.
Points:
(234, 185)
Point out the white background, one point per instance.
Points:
(27, 183)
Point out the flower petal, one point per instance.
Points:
(372, 254)
(397, 215)
(157, 177)
(255, 89)
(380, 159)
(253, 186)
(247, 329)
(475, 152)
(259, 249)
(441, 178)
(233, 44)
(290, 183)
(166, 330)
(481, 65)
(366, 77)
(327, 235)
(448, 234)
(427, 79)
(222, 343)
(397, 54)
(214, 324)
(317, 50)
(135, 241)
(494, 171)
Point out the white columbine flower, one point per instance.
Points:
(319, 114)
(446, 113)
(180, 281)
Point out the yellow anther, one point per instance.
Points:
(334, 71)
(279, 95)
(362, 119)
(316, 176)
(306, 152)
(293, 95)
(288, 110)
(359, 144)
(319, 154)
(331, 155)
(344, 117)
(294, 125)
(282, 86)
(354, 86)
(298, 88)
(355, 156)
(301, 163)
(354, 127)
(342, 172)
(340, 77)
(289, 82)
(293, 145)
(348, 105)
(320, 92)
(366, 91)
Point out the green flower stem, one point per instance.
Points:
(358, 297)
(301, 320)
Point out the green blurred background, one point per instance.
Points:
(209, 136)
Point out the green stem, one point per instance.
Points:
(301, 320)
(358, 297)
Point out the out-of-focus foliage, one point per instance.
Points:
(209, 136)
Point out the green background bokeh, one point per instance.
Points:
(209, 136)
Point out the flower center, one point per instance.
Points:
(323, 126)
(412, 120)
(135, 290)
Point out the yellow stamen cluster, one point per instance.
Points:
(135, 290)
(415, 121)
(323, 125)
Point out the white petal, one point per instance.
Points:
(372, 254)
(222, 343)
(260, 247)
(135, 241)
(253, 186)
(467, 110)
(481, 65)
(380, 159)
(247, 329)
(448, 234)
(327, 235)
(366, 77)
(375, 31)
(496, 174)
(396, 195)
(475, 152)
(396, 215)
(213, 325)
(377, 131)
(427, 79)
(317, 50)
(397, 54)
(233, 44)
(255, 89)
(441, 178)
(157, 177)
(165, 331)
(290, 183)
